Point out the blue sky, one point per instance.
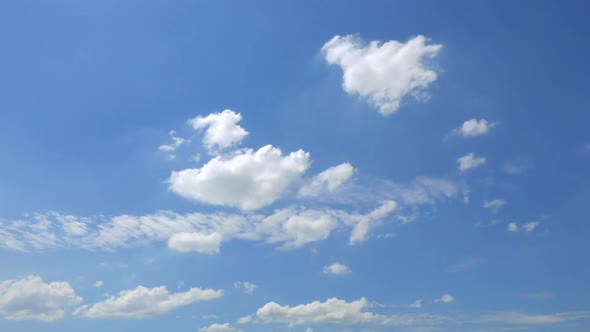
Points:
(294, 166)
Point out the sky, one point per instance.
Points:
(225, 166)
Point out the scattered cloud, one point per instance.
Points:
(337, 269)
(446, 298)
(247, 286)
(247, 179)
(464, 265)
(196, 242)
(327, 181)
(541, 296)
(514, 317)
(245, 319)
(527, 228)
(417, 304)
(176, 142)
(32, 299)
(384, 73)
(98, 284)
(469, 161)
(474, 127)
(518, 166)
(495, 204)
(143, 302)
(219, 328)
(222, 131)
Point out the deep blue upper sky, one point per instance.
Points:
(91, 91)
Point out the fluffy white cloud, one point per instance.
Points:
(527, 228)
(247, 179)
(247, 286)
(469, 161)
(384, 73)
(446, 298)
(417, 304)
(143, 302)
(332, 311)
(327, 181)
(197, 242)
(514, 317)
(219, 328)
(245, 319)
(32, 299)
(222, 131)
(494, 204)
(337, 269)
(475, 127)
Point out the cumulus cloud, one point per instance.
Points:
(469, 161)
(327, 181)
(446, 298)
(32, 299)
(337, 269)
(384, 73)
(143, 302)
(222, 131)
(245, 319)
(197, 242)
(219, 328)
(247, 179)
(474, 127)
(337, 311)
(527, 227)
(247, 286)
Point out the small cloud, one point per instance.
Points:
(175, 143)
(518, 166)
(495, 204)
(179, 284)
(464, 265)
(540, 296)
(337, 269)
(527, 228)
(474, 127)
(469, 161)
(446, 298)
(245, 319)
(98, 284)
(208, 317)
(247, 286)
(417, 304)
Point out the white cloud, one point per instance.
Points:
(98, 284)
(464, 265)
(143, 302)
(222, 131)
(247, 286)
(247, 179)
(384, 73)
(32, 299)
(219, 328)
(197, 242)
(175, 143)
(446, 298)
(336, 311)
(518, 166)
(364, 223)
(327, 181)
(417, 304)
(245, 319)
(469, 161)
(514, 317)
(494, 204)
(527, 228)
(475, 127)
(337, 269)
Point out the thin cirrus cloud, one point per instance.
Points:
(514, 227)
(143, 302)
(494, 204)
(470, 161)
(222, 129)
(30, 298)
(384, 73)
